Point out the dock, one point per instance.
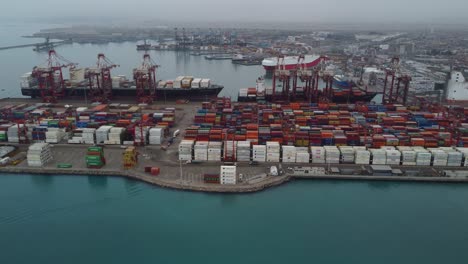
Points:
(38, 46)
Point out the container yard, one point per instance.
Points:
(227, 146)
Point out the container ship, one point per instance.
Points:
(47, 81)
(246, 60)
(121, 87)
(352, 95)
(341, 94)
(181, 87)
(219, 57)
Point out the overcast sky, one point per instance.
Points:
(394, 11)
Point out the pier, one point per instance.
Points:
(39, 46)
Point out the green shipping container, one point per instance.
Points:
(95, 149)
(53, 122)
(94, 164)
(64, 166)
(93, 158)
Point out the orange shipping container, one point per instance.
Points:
(155, 171)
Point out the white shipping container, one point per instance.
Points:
(205, 83)
(196, 83)
(178, 82)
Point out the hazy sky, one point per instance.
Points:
(425, 11)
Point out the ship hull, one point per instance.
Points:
(290, 63)
(354, 98)
(161, 93)
(336, 99)
(343, 84)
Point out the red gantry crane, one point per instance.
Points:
(327, 77)
(100, 80)
(395, 92)
(145, 80)
(283, 76)
(50, 77)
(307, 77)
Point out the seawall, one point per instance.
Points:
(179, 185)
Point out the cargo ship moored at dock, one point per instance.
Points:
(194, 88)
(169, 93)
(47, 81)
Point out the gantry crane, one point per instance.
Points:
(395, 92)
(308, 79)
(327, 77)
(50, 78)
(327, 92)
(229, 136)
(100, 80)
(283, 76)
(145, 80)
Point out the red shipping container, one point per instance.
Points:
(155, 171)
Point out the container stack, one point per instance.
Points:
(440, 157)
(115, 136)
(347, 154)
(362, 157)
(454, 158)
(228, 175)
(39, 154)
(3, 136)
(77, 138)
(408, 157)
(4, 131)
(273, 151)
(95, 158)
(156, 136)
(259, 153)
(214, 151)
(130, 157)
(289, 154)
(102, 134)
(243, 151)
(423, 157)
(141, 135)
(200, 152)
(89, 136)
(243, 92)
(393, 157)
(379, 156)
(211, 178)
(332, 155)
(54, 135)
(38, 134)
(464, 152)
(302, 155)
(185, 150)
(317, 155)
(12, 133)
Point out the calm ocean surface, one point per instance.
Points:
(80, 219)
